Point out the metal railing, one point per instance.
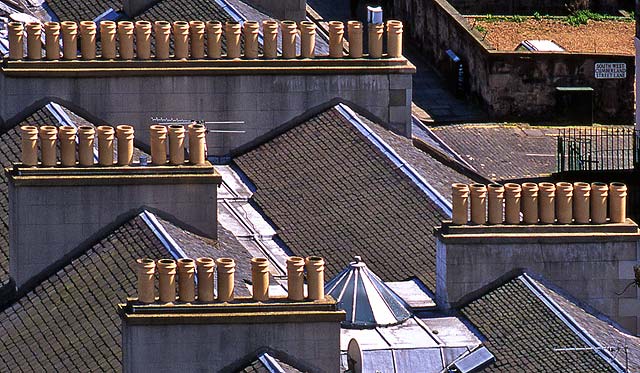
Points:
(597, 149)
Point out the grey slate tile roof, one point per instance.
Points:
(521, 332)
(80, 10)
(256, 366)
(330, 192)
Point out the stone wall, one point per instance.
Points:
(528, 7)
(514, 85)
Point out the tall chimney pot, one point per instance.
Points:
(125, 39)
(197, 31)
(232, 30)
(260, 278)
(197, 143)
(394, 38)
(460, 199)
(106, 134)
(376, 31)
(108, 30)
(617, 202)
(48, 137)
(307, 39)
(295, 278)
(67, 138)
(52, 40)
(581, 202)
(146, 269)
(16, 45)
(29, 145)
(530, 203)
(564, 202)
(86, 135)
(226, 268)
(143, 40)
(163, 37)
(547, 203)
(355, 31)
(88, 40)
(176, 144)
(34, 41)
(496, 203)
(512, 195)
(167, 276)
(599, 193)
(251, 30)
(181, 40)
(478, 203)
(206, 268)
(336, 38)
(289, 33)
(270, 37)
(315, 277)
(69, 40)
(125, 134)
(186, 277)
(158, 135)
(214, 39)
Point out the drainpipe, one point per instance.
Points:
(530, 203)
(617, 202)
(48, 137)
(167, 277)
(496, 203)
(181, 40)
(289, 32)
(163, 36)
(206, 268)
(197, 29)
(564, 202)
(315, 277)
(67, 137)
(125, 39)
(394, 38)
(478, 203)
(106, 134)
(547, 203)
(158, 144)
(295, 278)
(232, 32)
(125, 134)
(86, 136)
(69, 40)
(260, 278)
(176, 144)
(214, 40)
(354, 29)
(16, 35)
(307, 39)
(186, 277)
(34, 43)
(29, 145)
(599, 193)
(197, 133)
(512, 195)
(146, 269)
(581, 202)
(226, 268)
(108, 40)
(143, 40)
(270, 38)
(376, 30)
(336, 38)
(460, 201)
(88, 40)
(52, 40)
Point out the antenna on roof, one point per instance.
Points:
(169, 121)
(624, 348)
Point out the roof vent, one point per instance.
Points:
(368, 302)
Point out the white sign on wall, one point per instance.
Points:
(611, 70)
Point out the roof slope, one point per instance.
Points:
(81, 10)
(522, 331)
(331, 192)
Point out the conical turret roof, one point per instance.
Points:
(366, 299)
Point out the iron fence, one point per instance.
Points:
(597, 149)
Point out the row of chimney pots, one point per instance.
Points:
(545, 203)
(84, 136)
(186, 270)
(189, 39)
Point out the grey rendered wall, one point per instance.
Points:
(47, 223)
(209, 348)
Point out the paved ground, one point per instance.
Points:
(433, 102)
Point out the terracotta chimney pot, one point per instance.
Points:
(478, 203)
(270, 38)
(295, 278)
(599, 193)
(530, 203)
(376, 31)
(512, 195)
(547, 203)
(206, 269)
(186, 280)
(34, 41)
(496, 203)
(289, 33)
(260, 278)
(69, 40)
(307, 39)
(214, 39)
(617, 202)
(564, 202)
(125, 134)
(581, 202)
(16, 37)
(176, 144)
(232, 31)
(108, 30)
(158, 135)
(52, 40)
(146, 269)
(106, 135)
(251, 30)
(226, 268)
(315, 277)
(394, 38)
(29, 145)
(460, 199)
(125, 38)
(355, 32)
(163, 37)
(86, 135)
(336, 38)
(181, 40)
(88, 40)
(143, 40)
(167, 277)
(197, 144)
(48, 137)
(197, 31)
(67, 138)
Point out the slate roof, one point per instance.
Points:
(258, 366)
(81, 10)
(329, 191)
(521, 331)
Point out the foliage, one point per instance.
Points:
(582, 17)
(537, 16)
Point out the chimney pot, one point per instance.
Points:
(599, 193)
(547, 203)
(251, 30)
(158, 134)
(67, 138)
(197, 29)
(336, 38)
(197, 143)
(512, 194)
(48, 137)
(232, 30)
(69, 40)
(181, 40)
(106, 134)
(260, 278)
(125, 134)
(176, 144)
(125, 39)
(478, 203)
(52, 40)
(617, 202)
(108, 39)
(530, 203)
(186, 277)
(16, 45)
(496, 203)
(270, 37)
(460, 199)
(226, 268)
(376, 30)
(146, 269)
(143, 40)
(289, 33)
(214, 39)
(394, 38)
(206, 268)
(564, 202)
(354, 29)
(88, 40)
(315, 277)
(34, 41)
(307, 39)
(581, 202)
(167, 275)
(86, 135)
(163, 37)
(295, 278)
(29, 145)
